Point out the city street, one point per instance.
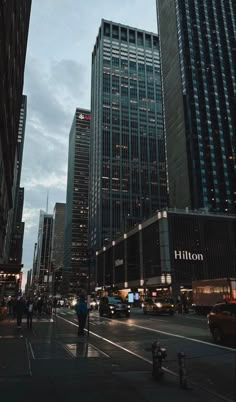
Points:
(115, 357)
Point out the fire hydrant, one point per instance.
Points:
(158, 355)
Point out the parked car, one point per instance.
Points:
(159, 306)
(113, 306)
(222, 321)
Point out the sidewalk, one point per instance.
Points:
(87, 379)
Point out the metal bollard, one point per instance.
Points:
(158, 355)
(182, 370)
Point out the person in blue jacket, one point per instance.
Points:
(82, 312)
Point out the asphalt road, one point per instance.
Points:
(209, 366)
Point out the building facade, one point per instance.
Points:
(170, 250)
(76, 265)
(127, 164)
(57, 251)
(14, 25)
(198, 40)
(14, 239)
(42, 278)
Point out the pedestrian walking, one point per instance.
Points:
(82, 312)
(19, 309)
(39, 306)
(29, 311)
(55, 305)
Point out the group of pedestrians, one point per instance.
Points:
(30, 307)
(24, 306)
(20, 306)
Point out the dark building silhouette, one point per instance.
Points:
(75, 272)
(15, 224)
(14, 25)
(42, 275)
(57, 251)
(198, 45)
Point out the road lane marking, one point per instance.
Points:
(31, 350)
(153, 319)
(179, 336)
(176, 336)
(27, 349)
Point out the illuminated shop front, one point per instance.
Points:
(10, 280)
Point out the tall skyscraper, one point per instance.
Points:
(128, 172)
(14, 25)
(75, 272)
(15, 224)
(57, 251)
(42, 276)
(198, 42)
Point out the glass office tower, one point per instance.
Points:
(127, 164)
(75, 273)
(198, 42)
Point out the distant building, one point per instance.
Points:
(28, 285)
(43, 274)
(14, 25)
(57, 251)
(198, 41)
(75, 273)
(127, 164)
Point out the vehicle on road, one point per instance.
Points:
(159, 306)
(208, 292)
(113, 306)
(94, 304)
(222, 321)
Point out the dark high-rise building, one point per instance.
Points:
(15, 224)
(42, 275)
(127, 165)
(14, 25)
(198, 42)
(75, 271)
(57, 251)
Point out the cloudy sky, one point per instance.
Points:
(62, 34)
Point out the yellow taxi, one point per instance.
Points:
(156, 306)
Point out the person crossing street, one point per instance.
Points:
(82, 312)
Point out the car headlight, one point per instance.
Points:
(172, 305)
(142, 305)
(128, 305)
(74, 301)
(111, 307)
(159, 305)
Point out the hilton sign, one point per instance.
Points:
(188, 256)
